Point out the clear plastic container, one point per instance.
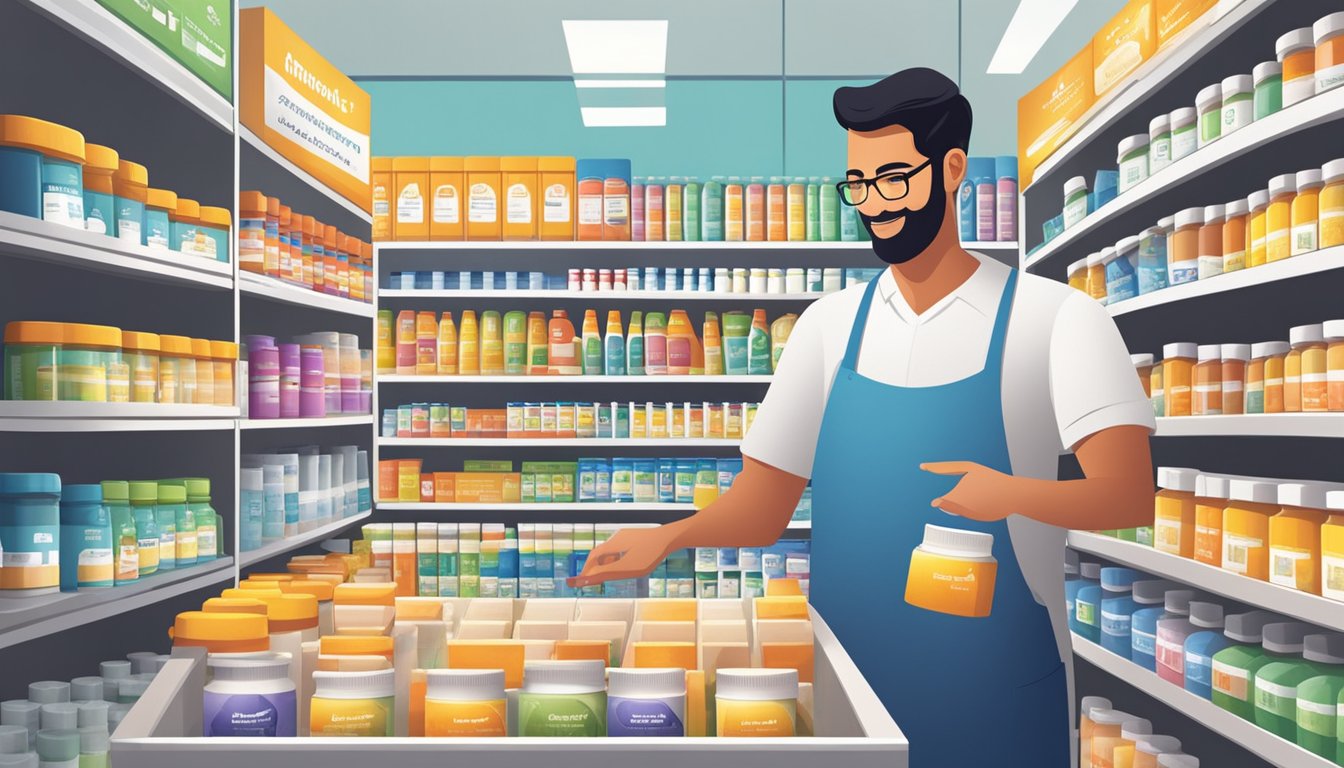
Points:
(140, 351)
(177, 369)
(205, 372)
(32, 359)
(224, 358)
(91, 369)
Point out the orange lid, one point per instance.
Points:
(366, 594)
(216, 217)
(478, 163)
(250, 594)
(445, 164)
(34, 332)
(356, 645)
(186, 210)
(329, 234)
(161, 198)
(78, 334)
(222, 632)
(49, 138)
(555, 164)
(234, 605)
(321, 590)
(139, 340)
(272, 206)
(309, 226)
(405, 164)
(518, 164)
(250, 201)
(223, 350)
(131, 173)
(381, 164)
(200, 349)
(287, 607)
(271, 577)
(286, 214)
(351, 245)
(177, 346)
(100, 159)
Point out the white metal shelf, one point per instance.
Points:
(1314, 263)
(1196, 40)
(253, 140)
(562, 508)
(28, 618)
(272, 289)
(560, 442)
(655, 245)
(1314, 609)
(71, 416)
(477, 294)
(289, 544)
(101, 28)
(38, 240)
(1257, 741)
(1253, 425)
(392, 378)
(328, 421)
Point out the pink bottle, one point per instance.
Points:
(312, 383)
(289, 380)
(1172, 630)
(263, 365)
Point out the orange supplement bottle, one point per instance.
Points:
(1274, 377)
(1207, 398)
(1235, 358)
(1246, 526)
(590, 209)
(615, 208)
(734, 228)
(1258, 203)
(1143, 366)
(1295, 537)
(521, 198)
(952, 571)
(1178, 368)
(410, 180)
(556, 206)
(1307, 350)
(1331, 204)
(426, 344)
(755, 206)
(1234, 235)
(776, 216)
(1174, 511)
(381, 188)
(291, 259)
(447, 182)
(1332, 547)
(468, 345)
(1211, 242)
(1278, 217)
(252, 232)
(1211, 492)
(1305, 211)
(1333, 331)
(484, 221)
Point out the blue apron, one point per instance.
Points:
(965, 691)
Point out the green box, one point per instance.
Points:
(485, 465)
(198, 34)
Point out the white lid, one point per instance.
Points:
(571, 676)
(1210, 352)
(1237, 207)
(1109, 254)
(1253, 491)
(1126, 243)
(1131, 143)
(1258, 199)
(1248, 627)
(261, 667)
(1282, 184)
(1183, 117)
(1179, 349)
(1285, 636)
(1334, 500)
(1166, 222)
(1333, 329)
(1093, 259)
(1158, 745)
(117, 669)
(14, 738)
(955, 542)
(1212, 486)
(1116, 579)
(1240, 352)
(1177, 478)
(1151, 591)
(465, 684)
(19, 760)
(86, 689)
(1074, 184)
(1214, 214)
(93, 713)
(1152, 231)
(1177, 760)
(1077, 265)
(1090, 571)
(1266, 69)
(60, 716)
(1110, 716)
(1140, 361)
(49, 691)
(1308, 179)
(1326, 26)
(1324, 648)
(1206, 615)
(1158, 125)
(1305, 494)
(1136, 728)
(1177, 601)
(1268, 349)
(94, 739)
(1237, 84)
(1189, 216)
(132, 687)
(1209, 95)
(1293, 41)
(1333, 170)
(1306, 334)
(1090, 703)
(757, 684)
(377, 684)
(646, 683)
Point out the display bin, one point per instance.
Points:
(853, 730)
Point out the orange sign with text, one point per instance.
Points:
(1123, 44)
(1175, 16)
(1048, 115)
(302, 106)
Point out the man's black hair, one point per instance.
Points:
(921, 100)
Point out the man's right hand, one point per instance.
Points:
(629, 554)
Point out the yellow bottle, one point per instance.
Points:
(537, 356)
(386, 357)
(1278, 217)
(1174, 511)
(713, 346)
(1332, 549)
(426, 344)
(447, 346)
(468, 346)
(953, 572)
(685, 356)
(796, 195)
(492, 344)
(1295, 537)
(672, 207)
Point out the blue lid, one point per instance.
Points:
(978, 168)
(1005, 166)
(602, 168)
(82, 494)
(1120, 579)
(26, 483)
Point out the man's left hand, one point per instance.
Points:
(982, 493)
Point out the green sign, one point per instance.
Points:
(197, 33)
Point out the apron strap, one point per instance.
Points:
(851, 359)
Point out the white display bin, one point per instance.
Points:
(853, 730)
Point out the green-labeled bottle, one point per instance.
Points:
(198, 502)
(1318, 697)
(563, 699)
(736, 331)
(173, 500)
(830, 210)
(144, 494)
(690, 215)
(1234, 667)
(813, 209)
(125, 540)
(1276, 682)
(758, 346)
(711, 209)
(515, 343)
(849, 224)
(634, 346)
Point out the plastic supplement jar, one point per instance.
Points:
(140, 352)
(173, 350)
(1152, 260)
(1246, 526)
(1333, 331)
(1305, 211)
(1207, 397)
(757, 702)
(1297, 56)
(185, 218)
(212, 234)
(1318, 697)
(1183, 255)
(250, 697)
(99, 210)
(947, 551)
(1278, 218)
(42, 164)
(1143, 366)
(1332, 547)
(1234, 666)
(1172, 629)
(1117, 605)
(1257, 203)
(564, 698)
(1158, 391)
(1234, 360)
(224, 358)
(130, 185)
(1132, 157)
(1276, 682)
(1328, 33)
(1306, 341)
(1295, 537)
(1275, 367)
(1075, 201)
(221, 632)
(1120, 265)
(646, 702)
(1234, 235)
(465, 702)
(353, 703)
(1159, 143)
(1268, 97)
(1174, 511)
(1211, 242)
(1096, 274)
(1209, 103)
(1149, 596)
(1331, 204)
(90, 368)
(1077, 275)
(30, 522)
(1200, 646)
(203, 516)
(205, 371)
(156, 229)
(1211, 492)
(32, 359)
(1264, 377)
(1184, 132)
(1178, 368)
(1238, 103)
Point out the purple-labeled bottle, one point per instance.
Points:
(250, 697)
(312, 382)
(290, 359)
(263, 382)
(646, 702)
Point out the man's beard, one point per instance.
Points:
(920, 229)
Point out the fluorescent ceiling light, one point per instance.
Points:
(613, 117)
(1031, 25)
(616, 47)
(619, 83)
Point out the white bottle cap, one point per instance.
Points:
(1268, 349)
(1167, 222)
(1206, 615)
(465, 684)
(1144, 360)
(565, 677)
(1110, 716)
(1254, 491)
(1236, 207)
(1308, 179)
(1333, 170)
(1236, 84)
(1177, 760)
(94, 740)
(1282, 185)
(1151, 591)
(49, 691)
(1159, 125)
(955, 542)
(1077, 265)
(1070, 562)
(1177, 478)
(1177, 601)
(1240, 352)
(1209, 96)
(1210, 352)
(1333, 330)
(1129, 144)
(1307, 495)
(1126, 244)
(376, 684)
(757, 684)
(1214, 214)
(14, 739)
(93, 713)
(1294, 41)
(1189, 216)
(1212, 486)
(1136, 728)
(60, 717)
(1258, 199)
(1177, 349)
(86, 689)
(1075, 184)
(258, 667)
(116, 669)
(1324, 648)
(1306, 334)
(1158, 745)
(1109, 254)
(1094, 259)
(1285, 637)
(1265, 70)
(1327, 26)
(1090, 703)
(1090, 571)
(1334, 500)
(648, 683)
(1248, 627)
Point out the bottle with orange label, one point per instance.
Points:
(1174, 511)
(564, 357)
(354, 704)
(1211, 492)
(1246, 526)
(465, 702)
(756, 702)
(1295, 537)
(1178, 366)
(953, 571)
(468, 345)
(426, 344)
(446, 364)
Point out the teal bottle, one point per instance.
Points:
(615, 344)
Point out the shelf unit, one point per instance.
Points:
(1247, 736)
(271, 289)
(558, 442)
(251, 557)
(603, 296)
(1254, 425)
(548, 380)
(310, 423)
(660, 245)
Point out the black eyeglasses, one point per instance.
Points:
(891, 186)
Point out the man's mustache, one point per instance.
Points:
(884, 217)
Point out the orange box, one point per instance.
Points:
(283, 82)
(677, 609)
(1174, 16)
(556, 209)
(519, 181)
(1048, 115)
(444, 487)
(410, 197)
(489, 654)
(571, 650)
(387, 480)
(797, 656)
(483, 193)
(381, 203)
(488, 487)
(781, 607)
(654, 655)
(446, 182)
(1123, 44)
